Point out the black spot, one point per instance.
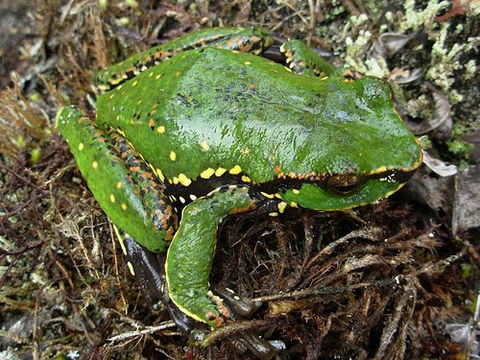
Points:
(223, 189)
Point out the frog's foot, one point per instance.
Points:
(262, 349)
(241, 307)
(231, 307)
(303, 60)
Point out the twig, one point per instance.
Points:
(148, 330)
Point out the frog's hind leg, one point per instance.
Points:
(190, 255)
(253, 40)
(189, 261)
(121, 182)
(303, 60)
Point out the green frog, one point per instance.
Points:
(203, 127)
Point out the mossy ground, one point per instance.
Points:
(383, 281)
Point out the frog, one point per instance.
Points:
(204, 127)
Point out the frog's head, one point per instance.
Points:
(359, 149)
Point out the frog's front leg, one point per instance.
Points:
(190, 255)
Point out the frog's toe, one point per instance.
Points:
(240, 306)
(221, 315)
(261, 348)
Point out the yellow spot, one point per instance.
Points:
(130, 267)
(235, 170)
(207, 174)
(160, 174)
(178, 73)
(235, 51)
(112, 96)
(273, 214)
(247, 63)
(245, 178)
(112, 198)
(80, 146)
(182, 199)
(139, 102)
(119, 185)
(281, 206)
(150, 75)
(135, 83)
(269, 196)
(124, 206)
(295, 191)
(294, 204)
(204, 145)
(220, 171)
(161, 129)
(173, 156)
(95, 165)
(278, 196)
(379, 170)
(184, 180)
(175, 180)
(158, 76)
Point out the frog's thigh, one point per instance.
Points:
(190, 255)
(248, 40)
(133, 206)
(303, 60)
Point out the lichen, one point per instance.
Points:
(415, 19)
(444, 61)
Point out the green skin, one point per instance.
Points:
(197, 116)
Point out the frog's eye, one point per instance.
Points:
(344, 184)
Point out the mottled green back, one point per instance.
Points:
(213, 108)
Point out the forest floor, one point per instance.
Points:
(398, 279)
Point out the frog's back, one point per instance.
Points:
(218, 110)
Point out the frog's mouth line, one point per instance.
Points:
(286, 183)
